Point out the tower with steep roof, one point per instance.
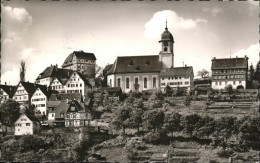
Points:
(166, 54)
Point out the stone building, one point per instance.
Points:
(231, 71)
(82, 62)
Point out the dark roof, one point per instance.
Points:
(60, 107)
(54, 71)
(45, 90)
(29, 87)
(177, 71)
(229, 63)
(79, 55)
(112, 90)
(166, 36)
(53, 104)
(65, 96)
(86, 81)
(79, 107)
(10, 90)
(136, 64)
(31, 117)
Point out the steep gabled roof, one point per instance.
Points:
(10, 90)
(79, 107)
(48, 72)
(29, 87)
(136, 64)
(45, 90)
(177, 71)
(229, 63)
(79, 55)
(84, 79)
(31, 117)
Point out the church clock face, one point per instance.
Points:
(165, 43)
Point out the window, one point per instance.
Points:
(186, 82)
(52, 115)
(118, 82)
(27, 124)
(80, 85)
(234, 82)
(216, 83)
(154, 82)
(169, 78)
(127, 82)
(136, 80)
(220, 83)
(162, 78)
(165, 49)
(145, 82)
(110, 82)
(240, 82)
(76, 85)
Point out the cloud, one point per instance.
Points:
(216, 10)
(153, 27)
(18, 15)
(252, 53)
(213, 11)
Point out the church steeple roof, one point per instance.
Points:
(166, 35)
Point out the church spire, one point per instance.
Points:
(166, 25)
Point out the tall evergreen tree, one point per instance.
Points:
(251, 76)
(22, 71)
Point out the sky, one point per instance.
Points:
(45, 32)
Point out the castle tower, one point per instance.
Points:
(166, 55)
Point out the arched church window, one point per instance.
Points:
(165, 49)
(154, 82)
(118, 82)
(145, 82)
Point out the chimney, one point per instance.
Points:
(185, 65)
(5, 83)
(51, 64)
(236, 56)
(34, 84)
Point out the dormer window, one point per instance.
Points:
(137, 68)
(131, 63)
(147, 62)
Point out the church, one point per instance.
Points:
(140, 73)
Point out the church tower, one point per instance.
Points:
(166, 55)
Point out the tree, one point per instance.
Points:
(172, 122)
(204, 127)
(229, 89)
(154, 119)
(256, 81)
(251, 76)
(136, 118)
(189, 122)
(11, 110)
(28, 109)
(121, 118)
(22, 71)
(187, 101)
(98, 71)
(168, 90)
(203, 73)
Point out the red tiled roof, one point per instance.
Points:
(177, 71)
(229, 63)
(136, 64)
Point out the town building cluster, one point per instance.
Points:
(59, 94)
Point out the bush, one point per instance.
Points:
(31, 142)
(225, 153)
